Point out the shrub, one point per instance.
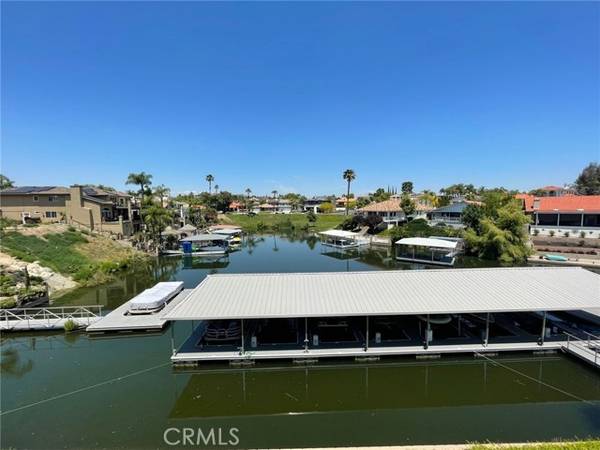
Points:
(536, 232)
(552, 233)
(582, 235)
(566, 234)
(8, 303)
(70, 325)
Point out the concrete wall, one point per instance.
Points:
(574, 232)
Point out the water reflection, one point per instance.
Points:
(383, 386)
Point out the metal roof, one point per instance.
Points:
(457, 207)
(339, 233)
(428, 242)
(204, 237)
(443, 291)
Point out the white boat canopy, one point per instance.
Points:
(339, 234)
(156, 296)
(397, 292)
(428, 242)
(204, 238)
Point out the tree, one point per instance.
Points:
(248, 192)
(472, 216)
(327, 207)
(216, 188)
(156, 219)
(407, 187)
(503, 238)
(210, 179)
(162, 192)
(349, 176)
(588, 181)
(407, 204)
(143, 180)
(380, 195)
(311, 216)
(5, 182)
(274, 192)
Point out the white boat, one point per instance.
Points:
(155, 298)
(427, 250)
(342, 239)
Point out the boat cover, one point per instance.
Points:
(156, 296)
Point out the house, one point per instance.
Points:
(44, 203)
(568, 215)
(236, 206)
(389, 210)
(450, 214)
(313, 204)
(90, 207)
(555, 191)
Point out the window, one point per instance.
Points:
(51, 198)
(51, 214)
(36, 198)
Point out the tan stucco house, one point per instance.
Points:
(90, 207)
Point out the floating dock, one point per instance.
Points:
(119, 320)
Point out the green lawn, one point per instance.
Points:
(56, 251)
(275, 222)
(583, 445)
(84, 258)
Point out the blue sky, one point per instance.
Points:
(287, 95)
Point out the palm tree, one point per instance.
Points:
(143, 180)
(349, 176)
(161, 191)
(248, 192)
(216, 188)
(210, 179)
(274, 192)
(157, 219)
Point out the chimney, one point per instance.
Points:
(77, 195)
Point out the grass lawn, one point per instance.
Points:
(275, 222)
(583, 445)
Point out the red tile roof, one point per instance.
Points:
(587, 203)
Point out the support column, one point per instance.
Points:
(173, 338)
(306, 334)
(242, 352)
(542, 337)
(558, 219)
(367, 336)
(487, 330)
(581, 220)
(459, 326)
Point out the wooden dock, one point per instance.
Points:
(119, 321)
(50, 318)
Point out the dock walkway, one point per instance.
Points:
(119, 320)
(586, 350)
(50, 318)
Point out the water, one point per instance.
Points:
(63, 383)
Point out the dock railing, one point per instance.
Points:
(49, 316)
(590, 345)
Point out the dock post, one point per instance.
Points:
(543, 329)
(242, 352)
(306, 334)
(172, 338)
(487, 330)
(367, 336)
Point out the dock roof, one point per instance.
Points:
(398, 292)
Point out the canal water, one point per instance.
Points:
(76, 391)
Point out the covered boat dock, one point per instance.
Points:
(308, 316)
